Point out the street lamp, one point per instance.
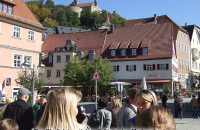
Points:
(41, 70)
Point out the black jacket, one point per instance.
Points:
(21, 112)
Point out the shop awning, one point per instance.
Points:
(158, 81)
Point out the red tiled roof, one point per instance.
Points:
(23, 14)
(85, 41)
(84, 5)
(124, 44)
(157, 37)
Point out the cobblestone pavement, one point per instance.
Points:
(187, 124)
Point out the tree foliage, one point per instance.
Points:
(63, 15)
(25, 80)
(79, 72)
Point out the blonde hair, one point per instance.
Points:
(59, 110)
(157, 118)
(9, 100)
(8, 124)
(150, 96)
(116, 103)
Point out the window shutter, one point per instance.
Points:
(134, 67)
(144, 67)
(117, 67)
(126, 67)
(158, 66)
(167, 66)
(154, 66)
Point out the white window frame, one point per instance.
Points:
(58, 61)
(5, 8)
(1, 7)
(145, 51)
(133, 51)
(162, 66)
(9, 9)
(17, 60)
(149, 67)
(16, 32)
(28, 59)
(58, 73)
(130, 67)
(113, 52)
(123, 52)
(31, 35)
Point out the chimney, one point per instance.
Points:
(111, 28)
(185, 24)
(155, 19)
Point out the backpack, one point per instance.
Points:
(94, 119)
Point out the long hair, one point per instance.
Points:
(60, 109)
(157, 118)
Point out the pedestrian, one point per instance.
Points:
(178, 101)
(105, 115)
(61, 110)
(157, 118)
(8, 124)
(164, 100)
(21, 111)
(116, 105)
(40, 102)
(145, 99)
(126, 116)
(194, 106)
(7, 101)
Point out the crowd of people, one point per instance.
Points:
(59, 111)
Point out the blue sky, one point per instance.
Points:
(181, 11)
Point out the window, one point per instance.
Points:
(17, 60)
(48, 73)
(5, 8)
(1, 5)
(116, 68)
(16, 32)
(50, 58)
(149, 67)
(57, 73)
(67, 58)
(113, 52)
(123, 52)
(58, 59)
(28, 59)
(162, 66)
(130, 67)
(91, 55)
(144, 51)
(31, 35)
(9, 9)
(134, 52)
(80, 54)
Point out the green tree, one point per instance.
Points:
(49, 4)
(43, 13)
(48, 22)
(25, 80)
(117, 20)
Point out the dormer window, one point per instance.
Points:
(5, 8)
(70, 45)
(144, 51)
(113, 52)
(80, 54)
(123, 52)
(133, 52)
(91, 54)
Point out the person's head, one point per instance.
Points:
(103, 102)
(42, 101)
(157, 118)
(24, 93)
(61, 109)
(8, 124)
(132, 95)
(116, 103)
(146, 99)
